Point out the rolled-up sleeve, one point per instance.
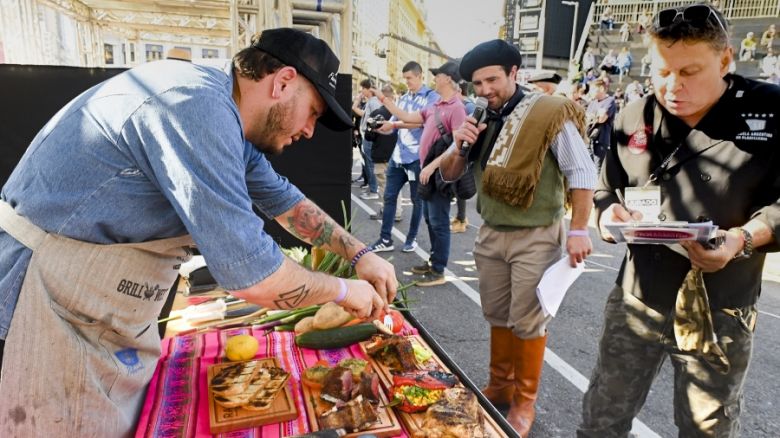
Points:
(573, 158)
(272, 193)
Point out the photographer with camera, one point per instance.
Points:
(371, 104)
(382, 148)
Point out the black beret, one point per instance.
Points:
(495, 52)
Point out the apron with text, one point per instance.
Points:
(83, 341)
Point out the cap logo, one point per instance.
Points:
(332, 80)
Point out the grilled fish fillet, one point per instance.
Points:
(260, 392)
(234, 379)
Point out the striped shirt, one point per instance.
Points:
(573, 158)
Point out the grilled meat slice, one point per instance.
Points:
(337, 385)
(455, 415)
(394, 351)
(368, 387)
(356, 415)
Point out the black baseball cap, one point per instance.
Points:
(449, 68)
(312, 58)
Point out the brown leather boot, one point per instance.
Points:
(528, 357)
(501, 384)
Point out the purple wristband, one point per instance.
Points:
(343, 293)
(577, 233)
(357, 256)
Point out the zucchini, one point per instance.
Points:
(336, 337)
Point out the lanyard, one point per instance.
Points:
(664, 165)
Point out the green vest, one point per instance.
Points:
(546, 208)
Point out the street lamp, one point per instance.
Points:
(576, 5)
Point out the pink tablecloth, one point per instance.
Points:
(177, 403)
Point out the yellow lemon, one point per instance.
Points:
(241, 347)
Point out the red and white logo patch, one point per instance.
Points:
(637, 142)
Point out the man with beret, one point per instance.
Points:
(102, 208)
(529, 159)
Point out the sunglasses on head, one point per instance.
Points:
(694, 14)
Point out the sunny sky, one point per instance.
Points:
(460, 25)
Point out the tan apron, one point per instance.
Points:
(83, 341)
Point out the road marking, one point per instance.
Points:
(639, 429)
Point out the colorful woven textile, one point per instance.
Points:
(177, 399)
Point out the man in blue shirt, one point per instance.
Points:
(161, 152)
(404, 164)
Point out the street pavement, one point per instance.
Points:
(453, 316)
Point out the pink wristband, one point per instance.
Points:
(577, 233)
(343, 293)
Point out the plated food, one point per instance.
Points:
(348, 396)
(248, 394)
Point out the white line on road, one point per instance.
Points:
(639, 429)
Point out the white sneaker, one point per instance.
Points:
(369, 195)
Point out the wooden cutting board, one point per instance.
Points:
(387, 426)
(223, 419)
(413, 421)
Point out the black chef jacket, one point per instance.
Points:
(727, 170)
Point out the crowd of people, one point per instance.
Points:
(182, 147)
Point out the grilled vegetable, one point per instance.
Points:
(415, 391)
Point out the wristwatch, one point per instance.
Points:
(747, 248)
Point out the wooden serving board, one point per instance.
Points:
(387, 426)
(223, 419)
(413, 421)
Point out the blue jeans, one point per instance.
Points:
(397, 175)
(437, 216)
(369, 165)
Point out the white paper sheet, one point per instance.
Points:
(557, 279)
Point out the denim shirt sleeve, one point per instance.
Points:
(189, 142)
(272, 193)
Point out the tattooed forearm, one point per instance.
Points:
(308, 222)
(293, 298)
(348, 243)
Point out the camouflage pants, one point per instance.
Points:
(634, 344)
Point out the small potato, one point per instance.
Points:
(331, 315)
(305, 325)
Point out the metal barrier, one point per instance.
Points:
(630, 10)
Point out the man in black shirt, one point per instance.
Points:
(709, 141)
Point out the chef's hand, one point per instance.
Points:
(616, 213)
(713, 260)
(381, 274)
(362, 300)
(468, 132)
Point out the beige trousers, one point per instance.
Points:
(510, 265)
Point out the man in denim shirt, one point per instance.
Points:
(169, 149)
(404, 165)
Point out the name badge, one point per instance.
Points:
(410, 174)
(646, 200)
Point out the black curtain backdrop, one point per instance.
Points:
(30, 95)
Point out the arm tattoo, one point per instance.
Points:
(293, 298)
(309, 223)
(346, 241)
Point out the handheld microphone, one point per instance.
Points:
(479, 114)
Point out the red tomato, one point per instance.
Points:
(398, 319)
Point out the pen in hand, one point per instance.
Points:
(622, 200)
